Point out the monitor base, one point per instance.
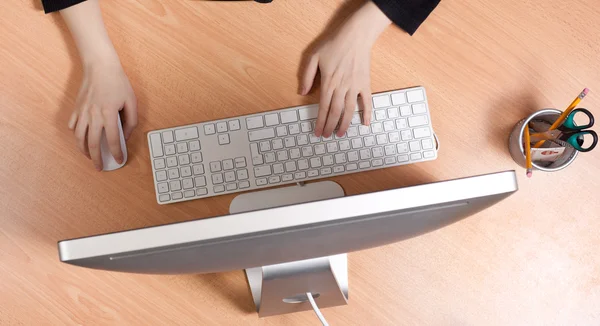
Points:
(281, 288)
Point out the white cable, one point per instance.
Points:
(316, 309)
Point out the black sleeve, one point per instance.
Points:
(56, 5)
(407, 14)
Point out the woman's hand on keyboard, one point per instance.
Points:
(344, 62)
(105, 90)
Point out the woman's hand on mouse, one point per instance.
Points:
(344, 64)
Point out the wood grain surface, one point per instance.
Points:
(533, 259)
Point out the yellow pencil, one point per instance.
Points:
(528, 152)
(564, 115)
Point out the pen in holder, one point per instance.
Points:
(517, 151)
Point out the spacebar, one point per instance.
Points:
(261, 134)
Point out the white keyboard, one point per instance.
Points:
(279, 147)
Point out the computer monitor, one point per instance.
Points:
(290, 233)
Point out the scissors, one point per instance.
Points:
(571, 133)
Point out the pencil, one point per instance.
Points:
(528, 152)
(564, 115)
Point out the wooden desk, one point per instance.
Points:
(533, 259)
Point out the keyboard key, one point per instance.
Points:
(415, 156)
(217, 178)
(313, 173)
(231, 186)
(182, 148)
(262, 171)
(419, 108)
(377, 152)
(303, 164)
(377, 127)
(364, 165)
(186, 171)
(159, 163)
(161, 175)
(369, 141)
(200, 181)
(290, 166)
(163, 198)
(414, 146)
(388, 126)
(401, 124)
(427, 143)
(156, 145)
(294, 153)
(300, 175)
(170, 149)
(357, 143)
(314, 139)
(307, 151)
(405, 110)
(417, 121)
(351, 167)
(240, 162)
(328, 160)
(340, 158)
(380, 115)
(254, 122)
(428, 154)
(344, 145)
(381, 101)
(325, 171)
(186, 133)
(176, 195)
(173, 174)
(402, 148)
(356, 118)
(422, 132)
(393, 113)
(352, 156)
(281, 131)
(270, 157)
(398, 98)
(162, 188)
(282, 156)
(364, 130)
(265, 146)
(189, 193)
(290, 142)
(338, 169)
(352, 131)
(278, 168)
(167, 136)
(201, 192)
(390, 150)
(171, 161)
(198, 169)
(218, 188)
(287, 177)
(288, 116)
(244, 184)
(222, 126)
(308, 113)
(215, 166)
(261, 134)
(406, 134)
(229, 176)
(257, 159)
(332, 147)
(196, 157)
(184, 159)
(294, 129)
(242, 174)
(415, 96)
(365, 154)
(274, 179)
(315, 162)
(320, 149)
(194, 145)
(234, 125)
(302, 140)
(402, 158)
(223, 139)
(188, 183)
(381, 139)
(277, 144)
(394, 136)
(261, 182)
(209, 129)
(175, 185)
(272, 119)
(377, 162)
(390, 160)
(306, 127)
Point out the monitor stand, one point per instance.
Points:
(281, 288)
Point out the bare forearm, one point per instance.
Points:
(87, 28)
